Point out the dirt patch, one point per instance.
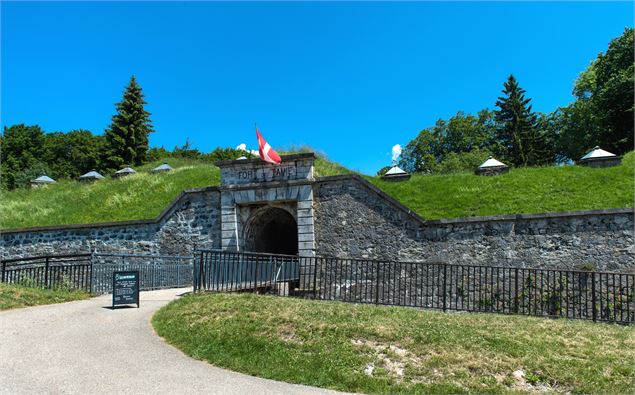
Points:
(528, 383)
(391, 357)
(287, 334)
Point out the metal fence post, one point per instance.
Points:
(315, 272)
(90, 274)
(516, 302)
(178, 272)
(46, 273)
(201, 279)
(593, 296)
(256, 275)
(445, 281)
(4, 270)
(377, 285)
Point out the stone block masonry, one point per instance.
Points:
(355, 219)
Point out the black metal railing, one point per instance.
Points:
(155, 271)
(93, 272)
(598, 296)
(49, 271)
(230, 271)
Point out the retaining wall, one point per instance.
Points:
(354, 219)
(191, 221)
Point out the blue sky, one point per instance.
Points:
(349, 79)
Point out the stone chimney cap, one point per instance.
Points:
(44, 180)
(491, 162)
(597, 152)
(125, 170)
(394, 171)
(91, 174)
(163, 167)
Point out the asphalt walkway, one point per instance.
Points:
(86, 348)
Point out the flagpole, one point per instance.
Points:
(256, 127)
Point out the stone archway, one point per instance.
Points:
(272, 230)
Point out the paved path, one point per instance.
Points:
(84, 348)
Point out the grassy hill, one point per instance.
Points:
(145, 195)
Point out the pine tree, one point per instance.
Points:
(523, 143)
(127, 136)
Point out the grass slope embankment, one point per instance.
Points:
(332, 344)
(145, 195)
(14, 296)
(525, 190)
(139, 196)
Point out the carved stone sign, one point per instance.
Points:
(263, 174)
(250, 171)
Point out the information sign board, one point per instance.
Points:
(125, 288)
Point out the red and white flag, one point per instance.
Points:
(267, 153)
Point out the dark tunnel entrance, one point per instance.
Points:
(272, 230)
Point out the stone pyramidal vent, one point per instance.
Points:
(91, 176)
(126, 171)
(598, 157)
(395, 174)
(491, 167)
(163, 168)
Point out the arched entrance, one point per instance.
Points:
(272, 230)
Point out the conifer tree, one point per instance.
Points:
(522, 142)
(127, 136)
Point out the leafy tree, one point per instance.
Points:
(74, 153)
(455, 162)
(522, 143)
(464, 133)
(185, 151)
(460, 134)
(420, 154)
(127, 136)
(603, 111)
(22, 148)
(155, 153)
(225, 154)
(23, 177)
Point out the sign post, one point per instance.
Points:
(125, 288)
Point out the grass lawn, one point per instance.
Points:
(16, 296)
(336, 345)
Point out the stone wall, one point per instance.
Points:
(355, 219)
(345, 216)
(192, 221)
